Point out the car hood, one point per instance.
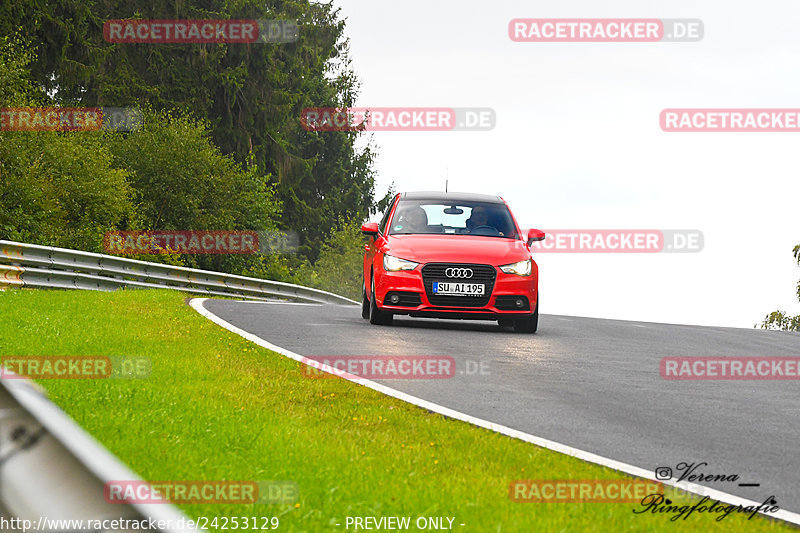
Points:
(457, 249)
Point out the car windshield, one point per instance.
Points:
(460, 218)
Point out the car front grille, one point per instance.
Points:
(485, 274)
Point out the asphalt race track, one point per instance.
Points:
(589, 383)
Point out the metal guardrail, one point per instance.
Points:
(51, 470)
(32, 265)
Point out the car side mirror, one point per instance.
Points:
(535, 235)
(370, 228)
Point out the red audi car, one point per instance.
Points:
(450, 255)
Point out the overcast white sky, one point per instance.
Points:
(578, 143)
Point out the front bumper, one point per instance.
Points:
(415, 300)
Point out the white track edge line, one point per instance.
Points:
(277, 303)
(701, 490)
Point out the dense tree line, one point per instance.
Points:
(220, 146)
(248, 97)
(69, 188)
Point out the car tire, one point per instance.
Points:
(530, 324)
(364, 304)
(376, 316)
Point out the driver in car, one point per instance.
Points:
(480, 218)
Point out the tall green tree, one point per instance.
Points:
(181, 181)
(250, 94)
(69, 189)
(56, 188)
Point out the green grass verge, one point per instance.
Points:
(218, 407)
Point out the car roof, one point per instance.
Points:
(447, 197)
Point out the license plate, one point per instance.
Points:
(458, 289)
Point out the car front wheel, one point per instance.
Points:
(376, 316)
(364, 304)
(528, 325)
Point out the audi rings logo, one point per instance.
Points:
(464, 273)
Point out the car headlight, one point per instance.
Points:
(393, 264)
(520, 268)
